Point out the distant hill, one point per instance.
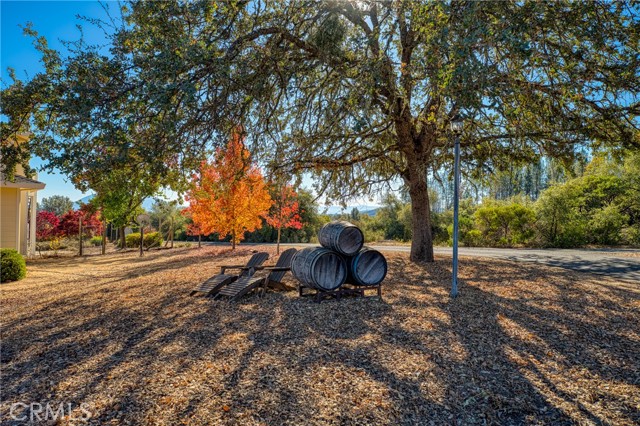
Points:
(371, 212)
(83, 200)
(338, 210)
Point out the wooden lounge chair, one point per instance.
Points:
(214, 284)
(267, 276)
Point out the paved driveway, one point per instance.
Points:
(616, 263)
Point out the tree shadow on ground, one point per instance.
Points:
(509, 350)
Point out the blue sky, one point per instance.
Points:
(56, 20)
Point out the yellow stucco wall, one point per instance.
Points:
(8, 217)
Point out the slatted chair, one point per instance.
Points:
(214, 284)
(266, 277)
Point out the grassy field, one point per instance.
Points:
(523, 344)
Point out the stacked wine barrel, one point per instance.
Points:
(341, 259)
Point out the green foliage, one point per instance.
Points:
(605, 225)
(559, 222)
(151, 239)
(120, 193)
(600, 207)
(165, 213)
(472, 238)
(12, 264)
(57, 204)
(96, 241)
(505, 223)
(440, 227)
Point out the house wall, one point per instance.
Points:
(9, 208)
(23, 225)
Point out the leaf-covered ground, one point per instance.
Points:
(523, 344)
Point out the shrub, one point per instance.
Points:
(133, 240)
(151, 239)
(372, 236)
(96, 241)
(505, 223)
(12, 264)
(606, 225)
(631, 235)
(472, 238)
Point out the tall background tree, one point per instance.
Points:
(57, 204)
(359, 94)
(166, 217)
(229, 195)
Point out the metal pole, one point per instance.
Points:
(456, 202)
(104, 236)
(171, 231)
(141, 237)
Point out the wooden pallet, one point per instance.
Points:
(346, 290)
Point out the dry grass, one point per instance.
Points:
(523, 344)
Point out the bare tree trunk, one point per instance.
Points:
(233, 240)
(123, 242)
(199, 240)
(278, 244)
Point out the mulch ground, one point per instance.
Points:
(523, 344)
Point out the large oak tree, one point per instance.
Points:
(361, 93)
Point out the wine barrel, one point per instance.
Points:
(341, 236)
(368, 267)
(319, 268)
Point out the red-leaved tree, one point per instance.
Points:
(285, 212)
(46, 225)
(70, 222)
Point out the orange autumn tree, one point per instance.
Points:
(229, 195)
(285, 212)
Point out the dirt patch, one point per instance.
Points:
(523, 344)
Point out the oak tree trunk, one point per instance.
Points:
(421, 238)
(123, 243)
(416, 146)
